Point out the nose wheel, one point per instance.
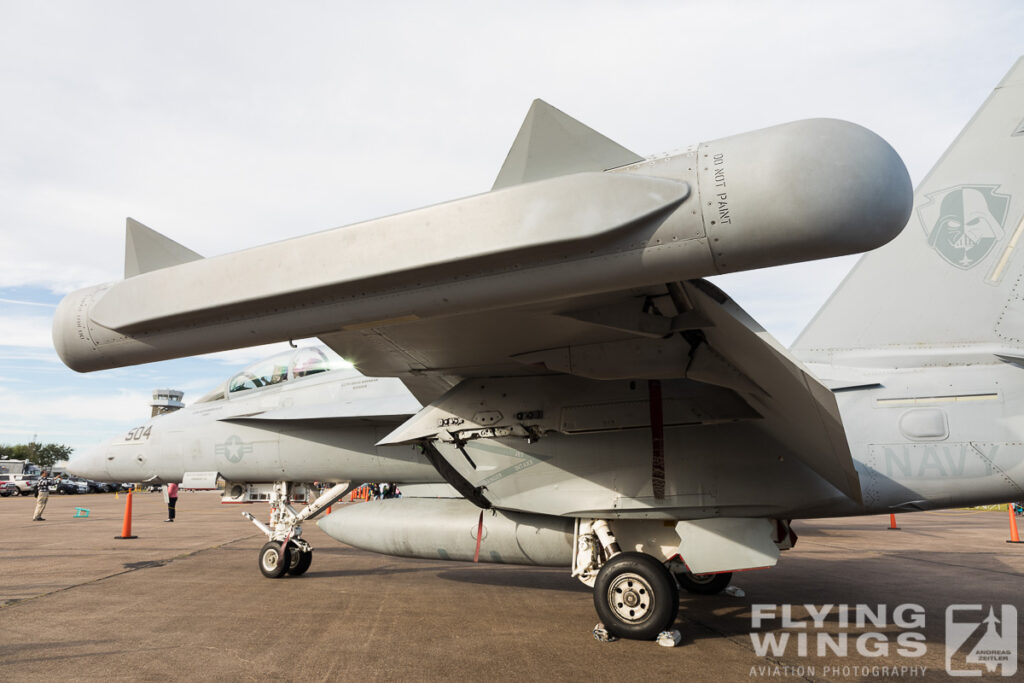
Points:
(635, 596)
(286, 552)
(295, 560)
(299, 560)
(272, 564)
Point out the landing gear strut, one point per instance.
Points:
(286, 552)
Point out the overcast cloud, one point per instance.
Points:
(230, 124)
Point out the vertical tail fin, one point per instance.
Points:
(955, 275)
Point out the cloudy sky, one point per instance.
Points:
(230, 124)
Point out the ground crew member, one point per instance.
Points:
(42, 495)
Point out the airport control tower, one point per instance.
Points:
(166, 401)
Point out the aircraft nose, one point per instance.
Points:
(92, 464)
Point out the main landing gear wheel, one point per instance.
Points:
(635, 596)
(272, 564)
(704, 584)
(298, 560)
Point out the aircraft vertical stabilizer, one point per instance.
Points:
(551, 143)
(955, 275)
(145, 249)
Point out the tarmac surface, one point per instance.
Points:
(186, 601)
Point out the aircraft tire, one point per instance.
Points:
(300, 561)
(635, 596)
(271, 564)
(703, 584)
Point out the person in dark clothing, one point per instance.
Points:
(42, 495)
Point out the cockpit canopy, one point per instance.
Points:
(285, 366)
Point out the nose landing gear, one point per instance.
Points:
(286, 552)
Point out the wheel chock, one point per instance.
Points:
(81, 512)
(601, 634)
(669, 638)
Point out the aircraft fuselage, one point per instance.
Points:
(240, 437)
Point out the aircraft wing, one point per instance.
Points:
(797, 408)
(688, 330)
(584, 261)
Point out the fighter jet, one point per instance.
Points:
(598, 403)
(270, 430)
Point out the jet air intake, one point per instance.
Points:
(795, 192)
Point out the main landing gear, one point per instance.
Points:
(286, 552)
(635, 594)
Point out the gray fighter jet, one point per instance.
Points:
(601, 406)
(270, 430)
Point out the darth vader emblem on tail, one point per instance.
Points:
(964, 222)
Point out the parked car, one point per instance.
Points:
(69, 486)
(9, 488)
(26, 483)
(100, 486)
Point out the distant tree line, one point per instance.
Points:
(44, 455)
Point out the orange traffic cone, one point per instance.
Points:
(892, 523)
(126, 528)
(1014, 536)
